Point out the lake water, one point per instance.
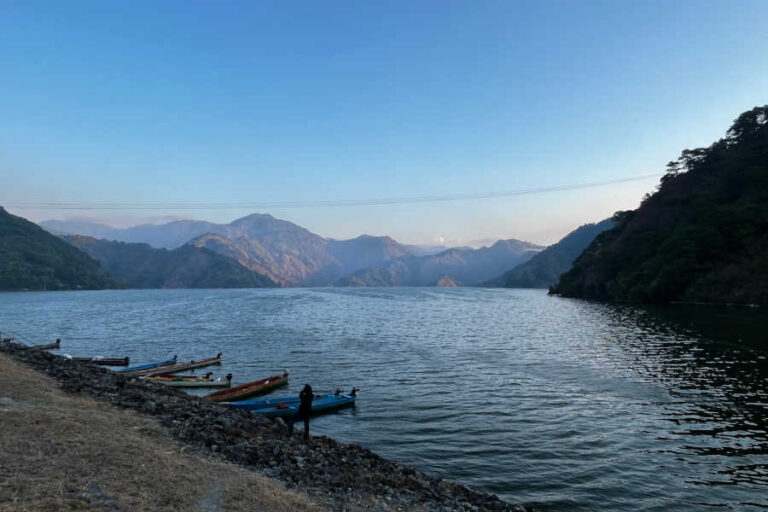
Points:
(563, 404)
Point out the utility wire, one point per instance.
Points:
(315, 204)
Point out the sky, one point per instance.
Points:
(249, 102)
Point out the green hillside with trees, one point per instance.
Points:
(702, 237)
(544, 269)
(142, 266)
(33, 259)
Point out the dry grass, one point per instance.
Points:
(65, 452)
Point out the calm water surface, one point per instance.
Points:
(563, 404)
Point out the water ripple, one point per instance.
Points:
(562, 404)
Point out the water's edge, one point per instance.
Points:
(337, 475)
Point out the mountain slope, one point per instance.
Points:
(168, 236)
(365, 251)
(289, 254)
(142, 266)
(454, 266)
(292, 255)
(703, 236)
(33, 259)
(544, 269)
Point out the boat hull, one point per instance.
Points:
(192, 383)
(106, 361)
(49, 346)
(147, 366)
(249, 389)
(288, 406)
(176, 367)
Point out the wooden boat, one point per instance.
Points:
(288, 406)
(104, 361)
(147, 366)
(190, 381)
(176, 367)
(49, 346)
(243, 391)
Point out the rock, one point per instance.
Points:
(341, 477)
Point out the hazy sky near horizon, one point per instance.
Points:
(223, 102)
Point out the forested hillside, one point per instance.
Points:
(703, 236)
(33, 259)
(142, 266)
(544, 269)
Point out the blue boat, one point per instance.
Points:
(147, 366)
(289, 405)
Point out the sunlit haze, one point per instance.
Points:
(191, 102)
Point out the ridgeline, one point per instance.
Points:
(33, 259)
(139, 265)
(543, 270)
(702, 237)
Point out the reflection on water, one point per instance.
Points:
(563, 404)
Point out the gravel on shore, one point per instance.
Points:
(343, 477)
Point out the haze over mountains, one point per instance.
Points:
(291, 255)
(136, 265)
(544, 268)
(454, 267)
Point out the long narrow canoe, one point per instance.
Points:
(177, 367)
(288, 406)
(188, 381)
(243, 391)
(49, 346)
(104, 361)
(147, 366)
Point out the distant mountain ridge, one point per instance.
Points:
(139, 265)
(545, 268)
(33, 259)
(453, 267)
(291, 255)
(162, 236)
(285, 252)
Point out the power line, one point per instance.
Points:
(316, 204)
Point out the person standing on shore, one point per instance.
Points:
(305, 410)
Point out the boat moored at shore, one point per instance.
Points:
(288, 406)
(176, 367)
(191, 381)
(147, 366)
(249, 389)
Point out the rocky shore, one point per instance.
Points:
(340, 476)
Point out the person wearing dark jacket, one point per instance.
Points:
(305, 410)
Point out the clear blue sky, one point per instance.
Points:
(196, 101)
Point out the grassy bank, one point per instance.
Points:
(60, 451)
(336, 476)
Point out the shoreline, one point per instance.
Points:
(336, 475)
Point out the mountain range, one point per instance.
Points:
(291, 255)
(137, 265)
(453, 267)
(544, 268)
